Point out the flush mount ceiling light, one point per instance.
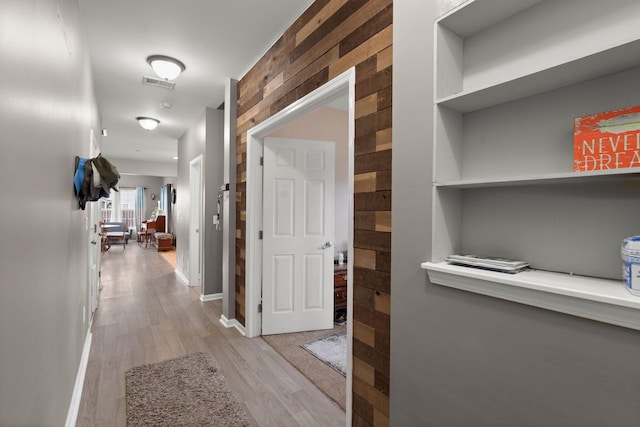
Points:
(165, 67)
(148, 123)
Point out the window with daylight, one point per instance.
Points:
(128, 206)
(120, 206)
(105, 209)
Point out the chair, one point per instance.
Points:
(147, 230)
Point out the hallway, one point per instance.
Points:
(146, 315)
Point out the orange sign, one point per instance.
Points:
(608, 140)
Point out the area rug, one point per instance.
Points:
(186, 391)
(332, 350)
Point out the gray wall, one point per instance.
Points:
(213, 179)
(461, 359)
(190, 146)
(204, 137)
(172, 217)
(47, 108)
(144, 168)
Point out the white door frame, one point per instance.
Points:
(337, 87)
(196, 206)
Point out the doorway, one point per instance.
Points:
(195, 222)
(340, 87)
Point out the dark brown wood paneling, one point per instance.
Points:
(383, 261)
(383, 180)
(385, 98)
(377, 82)
(364, 221)
(314, 39)
(373, 123)
(371, 279)
(375, 201)
(365, 144)
(372, 357)
(363, 408)
(379, 22)
(330, 37)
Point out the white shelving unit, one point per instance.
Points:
(511, 76)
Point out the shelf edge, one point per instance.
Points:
(566, 177)
(585, 306)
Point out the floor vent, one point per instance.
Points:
(165, 84)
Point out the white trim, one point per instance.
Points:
(334, 89)
(253, 270)
(182, 277)
(210, 297)
(232, 323)
(229, 199)
(597, 299)
(74, 407)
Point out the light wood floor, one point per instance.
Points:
(146, 314)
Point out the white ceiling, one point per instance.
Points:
(215, 39)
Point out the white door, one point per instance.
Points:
(93, 211)
(195, 221)
(298, 228)
(93, 219)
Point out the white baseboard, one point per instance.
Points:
(182, 277)
(210, 297)
(74, 407)
(232, 323)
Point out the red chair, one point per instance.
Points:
(147, 230)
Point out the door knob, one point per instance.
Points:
(326, 245)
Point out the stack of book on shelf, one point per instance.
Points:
(504, 265)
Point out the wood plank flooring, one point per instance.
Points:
(146, 314)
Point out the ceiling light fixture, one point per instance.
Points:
(148, 123)
(165, 67)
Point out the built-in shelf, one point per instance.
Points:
(511, 76)
(603, 300)
(597, 65)
(475, 16)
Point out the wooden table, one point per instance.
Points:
(104, 228)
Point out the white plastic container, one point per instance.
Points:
(631, 264)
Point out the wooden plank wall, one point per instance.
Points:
(329, 38)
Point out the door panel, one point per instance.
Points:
(314, 282)
(283, 280)
(298, 220)
(284, 208)
(314, 195)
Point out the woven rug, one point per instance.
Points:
(332, 350)
(186, 391)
